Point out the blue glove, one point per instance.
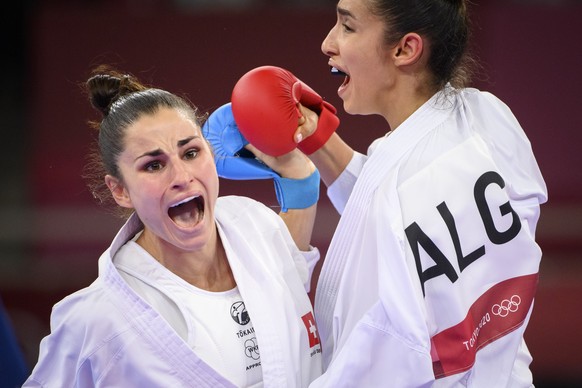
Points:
(233, 161)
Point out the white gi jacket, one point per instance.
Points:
(107, 336)
(430, 277)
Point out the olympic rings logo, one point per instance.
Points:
(507, 306)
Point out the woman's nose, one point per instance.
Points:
(328, 45)
(181, 175)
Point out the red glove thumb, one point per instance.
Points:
(328, 121)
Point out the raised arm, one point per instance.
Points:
(333, 156)
(302, 185)
(295, 177)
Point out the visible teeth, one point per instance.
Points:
(185, 200)
(336, 71)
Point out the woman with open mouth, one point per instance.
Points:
(430, 277)
(195, 290)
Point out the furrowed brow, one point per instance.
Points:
(187, 140)
(153, 153)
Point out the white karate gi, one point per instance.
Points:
(430, 277)
(107, 336)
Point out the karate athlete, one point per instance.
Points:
(195, 290)
(431, 274)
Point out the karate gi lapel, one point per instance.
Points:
(152, 327)
(384, 159)
(262, 289)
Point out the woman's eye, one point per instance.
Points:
(153, 166)
(191, 154)
(347, 28)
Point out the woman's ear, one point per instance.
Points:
(118, 191)
(409, 49)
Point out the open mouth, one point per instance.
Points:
(336, 71)
(188, 212)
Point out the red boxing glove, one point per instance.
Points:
(265, 107)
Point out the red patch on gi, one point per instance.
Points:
(312, 332)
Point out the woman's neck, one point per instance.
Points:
(409, 94)
(206, 268)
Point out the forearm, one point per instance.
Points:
(300, 221)
(300, 224)
(304, 186)
(332, 158)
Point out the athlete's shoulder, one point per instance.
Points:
(90, 306)
(477, 97)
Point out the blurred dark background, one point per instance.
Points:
(52, 232)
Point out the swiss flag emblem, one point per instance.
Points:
(312, 333)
